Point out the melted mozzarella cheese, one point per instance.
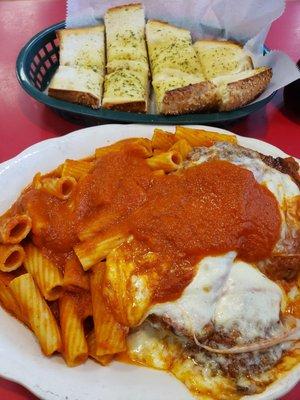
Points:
(195, 308)
(156, 348)
(200, 372)
(231, 295)
(250, 302)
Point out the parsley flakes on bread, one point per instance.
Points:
(80, 75)
(177, 78)
(126, 83)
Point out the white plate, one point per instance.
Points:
(20, 356)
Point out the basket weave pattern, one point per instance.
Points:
(43, 64)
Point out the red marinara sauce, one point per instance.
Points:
(207, 209)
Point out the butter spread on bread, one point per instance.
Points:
(79, 78)
(126, 83)
(220, 57)
(176, 70)
(125, 90)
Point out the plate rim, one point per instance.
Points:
(43, 143)
(279, 387)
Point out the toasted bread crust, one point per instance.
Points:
(135, 106)
(62, 32)
(59, 34)
(73, 96)
(189, 99)
(222, 42)
(245, 90)
(118, 8)
(164, 24)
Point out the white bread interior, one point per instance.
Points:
(171, 47)
(83, 47)
(133, 65)
(80, 76)
(77, 85)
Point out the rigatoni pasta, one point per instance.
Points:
(14, 228)
(71, 321)
(92, 348)
(96, 249)
(200, 137)
(74, 267)
(162, 254)
(99, 222)
(7, 299)
(183, 147)
(61, 188)
(11, 257)
(122, 288)
(74, 277)
(37, 313)
(162, 140)
(109, 334)
(167, 161)
(45, 273)
(139, 146)
(76, 169)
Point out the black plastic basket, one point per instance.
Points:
(38, 61)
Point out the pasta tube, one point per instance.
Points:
(168, 161)
(71, 309)
(11, 257)
(37, 313)
(46, 274)
(110, 335)
(97, 248)
(14, 229)
(200, 137)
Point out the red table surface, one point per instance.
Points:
(23, 121)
